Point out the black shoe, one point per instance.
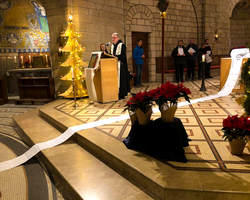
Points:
(210, 77)
(199, 78)
(193, 79)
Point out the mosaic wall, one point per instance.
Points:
(23, 27)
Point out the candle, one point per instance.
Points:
(203, 58)
(73, 76)
(29, 59)
(46, 59)
(15, 59)
(22, 59)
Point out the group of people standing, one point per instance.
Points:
(118, 49)
(182, 55)
(188, 56)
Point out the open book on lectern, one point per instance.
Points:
(107, 55)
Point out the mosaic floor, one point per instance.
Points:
(31, 180)
(202, 121)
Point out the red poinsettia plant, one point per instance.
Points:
(235, 127)
(169, 93)
(140, 100)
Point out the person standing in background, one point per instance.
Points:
(118, 49)
(138, 55)
(103, 48)
(179, 54)
(193, 52)
(208, 58)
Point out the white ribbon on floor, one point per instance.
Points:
(237, 56)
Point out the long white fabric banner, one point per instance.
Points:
(237, 56)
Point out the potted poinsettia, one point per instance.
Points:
(236, 129)
(166, 97)
(140, 108)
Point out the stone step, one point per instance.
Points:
(77, 173)
(162, 180)
(109, 150)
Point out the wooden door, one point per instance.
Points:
(144, 37)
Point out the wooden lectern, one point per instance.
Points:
(225, 66)
(106, 80)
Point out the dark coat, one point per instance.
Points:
(208, 48)
(179, 60)
(124, 73)
(194, 56)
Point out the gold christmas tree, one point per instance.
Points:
(74, 61)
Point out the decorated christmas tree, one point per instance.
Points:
(74, 62)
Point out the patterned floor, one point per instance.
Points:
(202, 121)
(31, 180)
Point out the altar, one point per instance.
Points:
(225, 66)
(160, 139)
(13, 75)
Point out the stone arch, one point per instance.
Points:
(198, 10)
(239, 25)
(146, 24)
(231, 5)
(140, 9)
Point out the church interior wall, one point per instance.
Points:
(240, 33)
(57, 14)
(180, 23)
(239, 25)
(97, 20)
(23, 29)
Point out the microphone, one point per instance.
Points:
(107, 44)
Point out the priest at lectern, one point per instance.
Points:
(118, 49)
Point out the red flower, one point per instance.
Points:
(227, 124)
(239, 124)
(166, 93)
(235, 128)
(248, 123)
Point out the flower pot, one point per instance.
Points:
(167, 113)
(237, 146)
(133, 117)
(248, 142)
(143, 118)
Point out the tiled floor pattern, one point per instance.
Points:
(202, 121)
(31, 180)
(207, 150)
